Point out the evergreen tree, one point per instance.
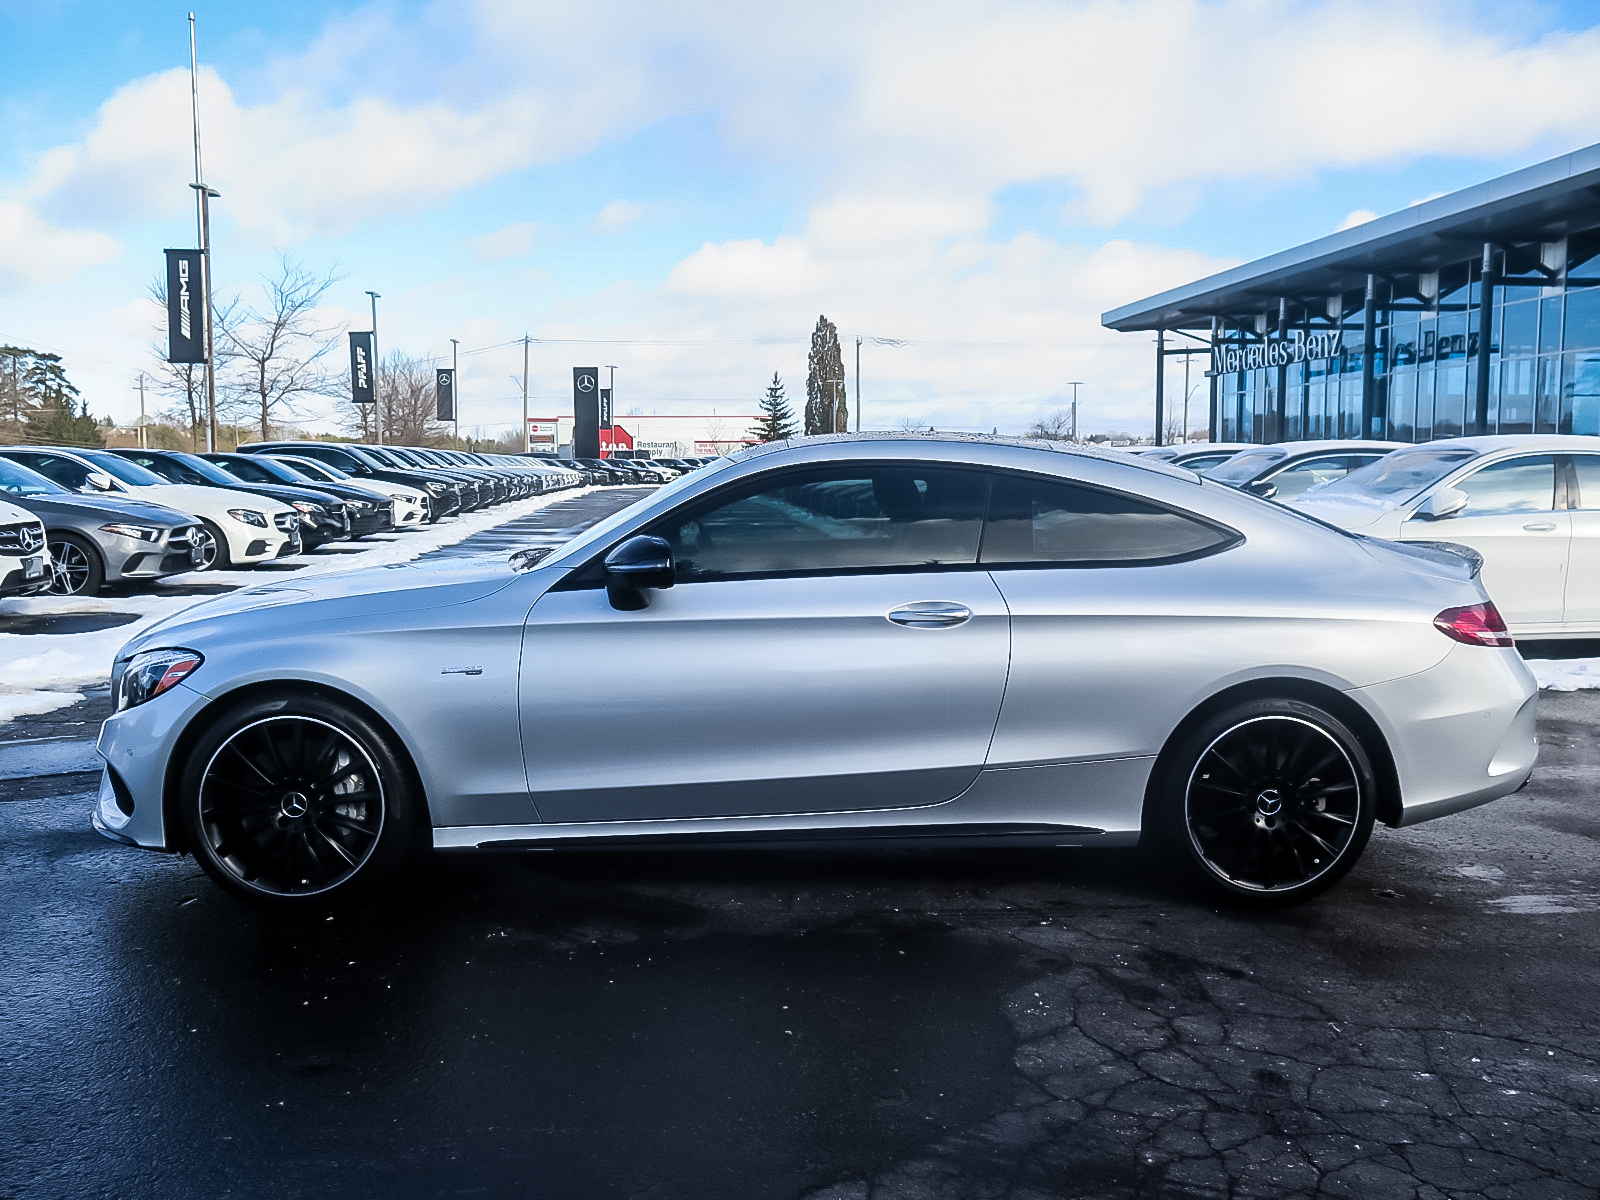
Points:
(777, 421)
(827, 410)
(57, 423)
(36, 395)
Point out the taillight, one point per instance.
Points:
(1476, 625)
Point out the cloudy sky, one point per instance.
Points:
(679, 189)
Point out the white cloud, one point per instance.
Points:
(34, 251)
(1358, 217)
(509, 241)
(617, 214)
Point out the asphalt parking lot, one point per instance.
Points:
(855, 1026)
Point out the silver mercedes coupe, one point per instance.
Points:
(929, 640)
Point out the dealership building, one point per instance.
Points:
(1476, 312)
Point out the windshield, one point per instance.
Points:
(1396, 477)
(207, 470)
(121, 468)
(1245, 466)
(17, 480)
(292, 472)
(317, 470)
(384, 457)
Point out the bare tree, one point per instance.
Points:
(404, 386)
(276, 351)
(1057, 427)
(183, 385)
(913, 425)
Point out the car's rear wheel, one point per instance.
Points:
(76, 568)
(1269, 802)
(297, 801)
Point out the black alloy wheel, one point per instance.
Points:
(75, 566)
(1271, 802)
(213, 547)
(296, 802)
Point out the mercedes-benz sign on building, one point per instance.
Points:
(1477, 312)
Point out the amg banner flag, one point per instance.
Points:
(186, 332)
(444, 386)
(361, 380)
(585, 412)
(605, 408)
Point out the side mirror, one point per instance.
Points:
(101, 482)
(640, 562)
(1445, 502)
(1264, 488)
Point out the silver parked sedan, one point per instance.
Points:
(939, 640)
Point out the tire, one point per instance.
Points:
(1267, 803)
(76, 568)
(296, 802)
(217, 558)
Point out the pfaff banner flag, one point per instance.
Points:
(186, 314)
(605, 408)
(444, 386)
(361, 368)
(586, 412)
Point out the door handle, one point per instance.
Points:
(930, 614)
(1540, 526)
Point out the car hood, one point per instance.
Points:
(174, 494)
(336, 596)
(1359, 514)
(102, 507)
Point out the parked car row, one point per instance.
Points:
(1526, 505)
(74, 519)
(618, 470)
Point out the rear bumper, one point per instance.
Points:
(1462, 733)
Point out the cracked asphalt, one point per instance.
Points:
(848, 1026)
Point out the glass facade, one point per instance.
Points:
(1544, 357)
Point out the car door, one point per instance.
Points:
(1516, 518)
(830, 645)
(1582, 608)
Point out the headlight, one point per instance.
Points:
(143, 533)
(249, 516)
(151, 672)
(306, 506)
(437, 489)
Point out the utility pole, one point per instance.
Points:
(142, 445)
(858, 385)
(455, 388)
(377, 392)
(527, 445)
(1074, 384)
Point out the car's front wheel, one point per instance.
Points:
(298, 801)
(76, 568)
(213, 546)
(1268, 802)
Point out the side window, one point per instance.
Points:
(844, 519)
(247, 471)
(1041, 521)
(1292, 481)
(1587, 467)
(64, 471)
(1517, 485)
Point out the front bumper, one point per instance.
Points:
(137, 745)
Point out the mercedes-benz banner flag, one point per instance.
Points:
(444, 386)
(605, 408)
(585, 412)
(186, 333)
(361, 368)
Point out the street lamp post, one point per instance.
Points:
(205, 196)
(377, 392)
(1074, 384)
(455, 389)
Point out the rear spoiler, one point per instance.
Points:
(1433, 550)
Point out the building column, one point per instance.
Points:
(1369, 338)
(1282, 398)
(1485, 332)
(1212, 430)
(1161, 375)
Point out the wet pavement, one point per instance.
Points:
(883, 1025)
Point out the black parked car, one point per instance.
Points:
(476, 492)
(368, 513)
(444, 495)
(322, 515)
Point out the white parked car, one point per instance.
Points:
(241, 529)
(1528, 503)
(24, 559)
(410, 504)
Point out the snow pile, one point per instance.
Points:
(40, 673)
(1566, 674)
